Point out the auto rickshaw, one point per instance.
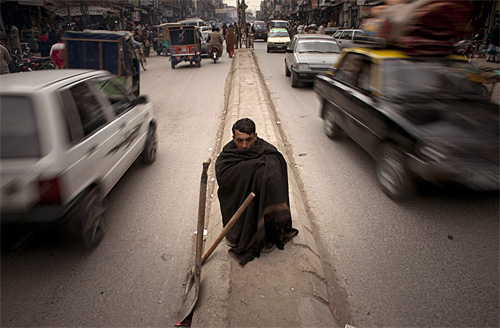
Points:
(161, 43)
(108, 50)
(185, 44)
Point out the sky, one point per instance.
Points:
(253, 5)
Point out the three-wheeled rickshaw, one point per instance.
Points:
(185, 44)
(106, 50)
(161, 39)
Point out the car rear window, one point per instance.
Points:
(318, 46)
(18, 132)
(278, 34)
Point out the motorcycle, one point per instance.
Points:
(40, 63)
(214, 55)
(19, 63)
(468, 48)
(27, 62)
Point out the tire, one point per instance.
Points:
(150, 148)
(163, 51)
(332, 130)
(287, 71)
(47, 65)
(91, 220)
(268, 50)
(294, 80)
(393, 173)
(172, 63)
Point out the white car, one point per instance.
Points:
(67, 137)
(278, 39)
(309, 55)
(345, 38)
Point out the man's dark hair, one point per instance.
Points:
(244, 125)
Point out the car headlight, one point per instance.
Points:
(433, 152)
(303, 66)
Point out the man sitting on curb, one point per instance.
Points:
(251, 164)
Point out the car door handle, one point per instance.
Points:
(92, 149)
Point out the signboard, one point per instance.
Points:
(136, 16)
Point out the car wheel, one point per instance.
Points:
(268, 50)
(91, 220)
(172, 63)
(287, 71)
(164, 51)
(294, 80)
(332, 130)
(393, 173)
(149, 152)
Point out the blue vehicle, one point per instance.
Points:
(104, 50)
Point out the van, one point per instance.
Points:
(279, 24)
(192, 22)
(259, 30)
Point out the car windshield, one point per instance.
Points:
(318, 46)
(434, 78)
(18, 129)
(278, 34)
(259, 26)
(280, 24)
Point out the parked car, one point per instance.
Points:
(67, 137)
(278, 39)
(345, 38)
(419, 118)
(308, 55)
(259, 30)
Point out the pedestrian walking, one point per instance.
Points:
(230, 42)
(492, 52)
(43, 44)
(15, 43)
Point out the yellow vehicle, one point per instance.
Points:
(278, 39)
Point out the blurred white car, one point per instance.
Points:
(67, 137)
(309, 55)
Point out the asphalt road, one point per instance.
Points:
(135, 276)
(433, 262)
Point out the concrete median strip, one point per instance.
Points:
(282, 288)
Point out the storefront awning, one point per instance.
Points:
(92, 11)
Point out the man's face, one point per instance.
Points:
(244, 140)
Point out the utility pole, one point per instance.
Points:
(242, 23)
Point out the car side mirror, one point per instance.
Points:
(142, 99)
(289, 50)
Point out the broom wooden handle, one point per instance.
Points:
(228, 226)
